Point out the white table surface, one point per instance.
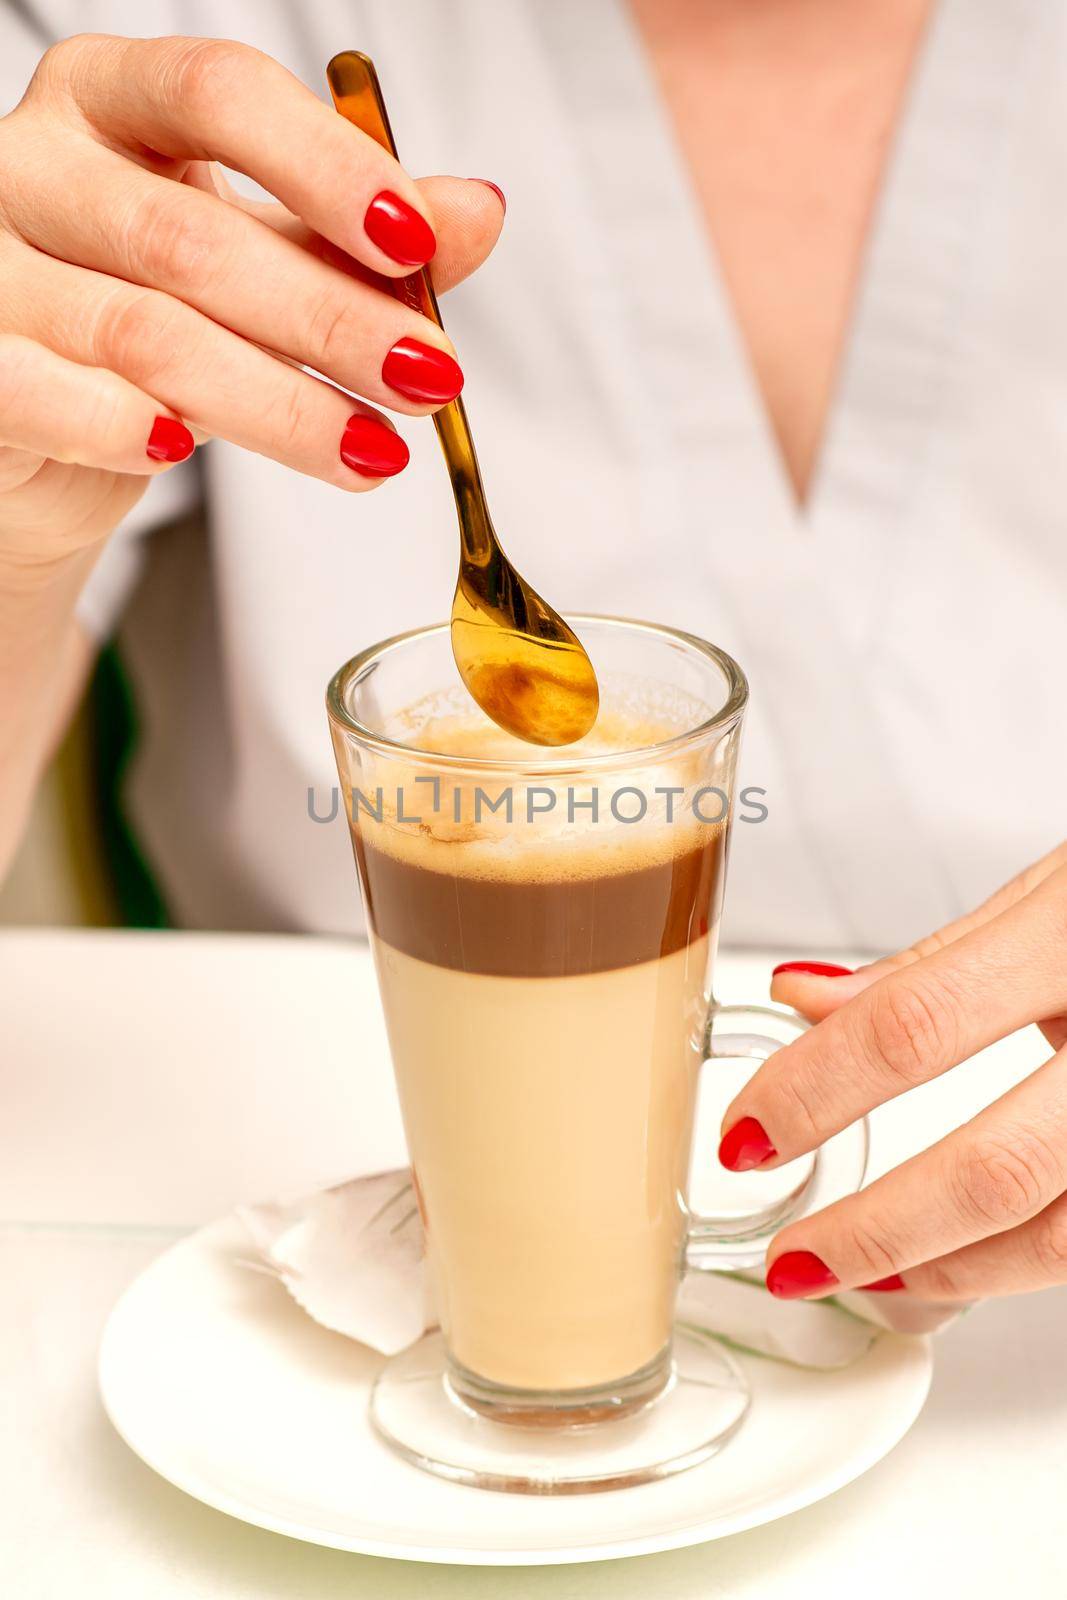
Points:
(150, 1081)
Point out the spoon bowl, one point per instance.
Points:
(535, 680)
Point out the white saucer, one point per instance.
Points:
(221, 1384)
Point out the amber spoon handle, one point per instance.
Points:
(358, 97)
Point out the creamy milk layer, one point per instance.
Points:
(549, 1124)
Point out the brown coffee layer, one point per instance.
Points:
(542, 928)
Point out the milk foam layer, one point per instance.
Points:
(523, 826)
(614, 733)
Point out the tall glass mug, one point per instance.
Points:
(544, 926)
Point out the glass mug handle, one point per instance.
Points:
(732, 1216)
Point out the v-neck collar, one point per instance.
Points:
(899, 337)
(764, 560)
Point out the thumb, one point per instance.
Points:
(468, 215)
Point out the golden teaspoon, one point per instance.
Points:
(522, 663)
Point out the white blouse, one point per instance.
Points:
(903, 634)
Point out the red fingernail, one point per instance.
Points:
(170, 440)
(399, 230)
(798, 1273)
(422, 372)
(818, 969)
(885, 1285)
(372, 449)
(745, 1146)
(497, 190)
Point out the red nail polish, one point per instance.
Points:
(745, 1146)
(497, 190)
(818, 969)
(372, 449)
(170, 440)
(885, 1285)
(399, 230)
(798, 1273)
(422, 372)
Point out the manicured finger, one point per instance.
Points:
(202, 372)
(215, 99)
(911, 1026)
(59, 410)
(224, 262)
(815, 988)
(1032, 1256)
(996, 1173)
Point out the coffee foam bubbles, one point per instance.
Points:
(525, 827)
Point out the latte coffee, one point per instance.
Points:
(543, 978)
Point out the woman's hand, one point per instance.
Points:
(146, 305)
(984, 1212)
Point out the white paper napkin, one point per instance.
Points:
(353, 1257)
